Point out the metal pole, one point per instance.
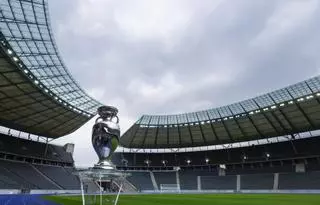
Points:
(117, 198)
(100, 189)
(82, 191)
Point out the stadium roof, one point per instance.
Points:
(37, 93)
(285, 111)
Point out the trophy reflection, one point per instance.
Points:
(105, 136)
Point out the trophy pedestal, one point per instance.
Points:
(105, 165)
(99, 174)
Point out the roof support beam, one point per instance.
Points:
(225, 127)
(254, 125)
(145, 133)
(201, 130)
(284, 115)
(213, 130)
(134, 135)
(267, 118)
(157, 132)
(192, 142)
(238, 124)
(301, 110)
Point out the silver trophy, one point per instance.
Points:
(105, 136)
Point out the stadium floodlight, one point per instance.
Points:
(290, 102)
(15, 59)
(222, 166)
(273, 107)
(281, 105)
(9, 51)
(36, 82)
(318, 94)
(268, 155)
(207, 160)
(147, 161)
(188, 161)
(164, 162)
(244, 157)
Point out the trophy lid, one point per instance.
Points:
(107, 111)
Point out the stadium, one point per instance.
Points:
(262, 150)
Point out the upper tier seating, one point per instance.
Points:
(28, 148)
(254, 153)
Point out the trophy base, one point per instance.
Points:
(104, 165)
(99, 174)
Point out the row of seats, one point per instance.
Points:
(21, 175)
(189, 180)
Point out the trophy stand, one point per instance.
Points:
(99, 175)
(105, 139)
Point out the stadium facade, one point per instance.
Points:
(269, 142)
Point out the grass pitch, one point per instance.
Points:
(201, 199)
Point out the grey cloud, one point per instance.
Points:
(219, 42)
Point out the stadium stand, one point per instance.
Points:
(38, 99)
(195, 180)
(257, 181)
(60, 175)
(291, 181)
(218, 182)
(26, 164)
(141, 180)
(165, 178)
(287, 150)
(11, 145)
(38, 96)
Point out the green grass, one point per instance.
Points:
(201, 199)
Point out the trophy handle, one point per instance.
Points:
(111, 118)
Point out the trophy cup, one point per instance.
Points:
(105, 136)
(105, 140)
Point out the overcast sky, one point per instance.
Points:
(173, 56)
